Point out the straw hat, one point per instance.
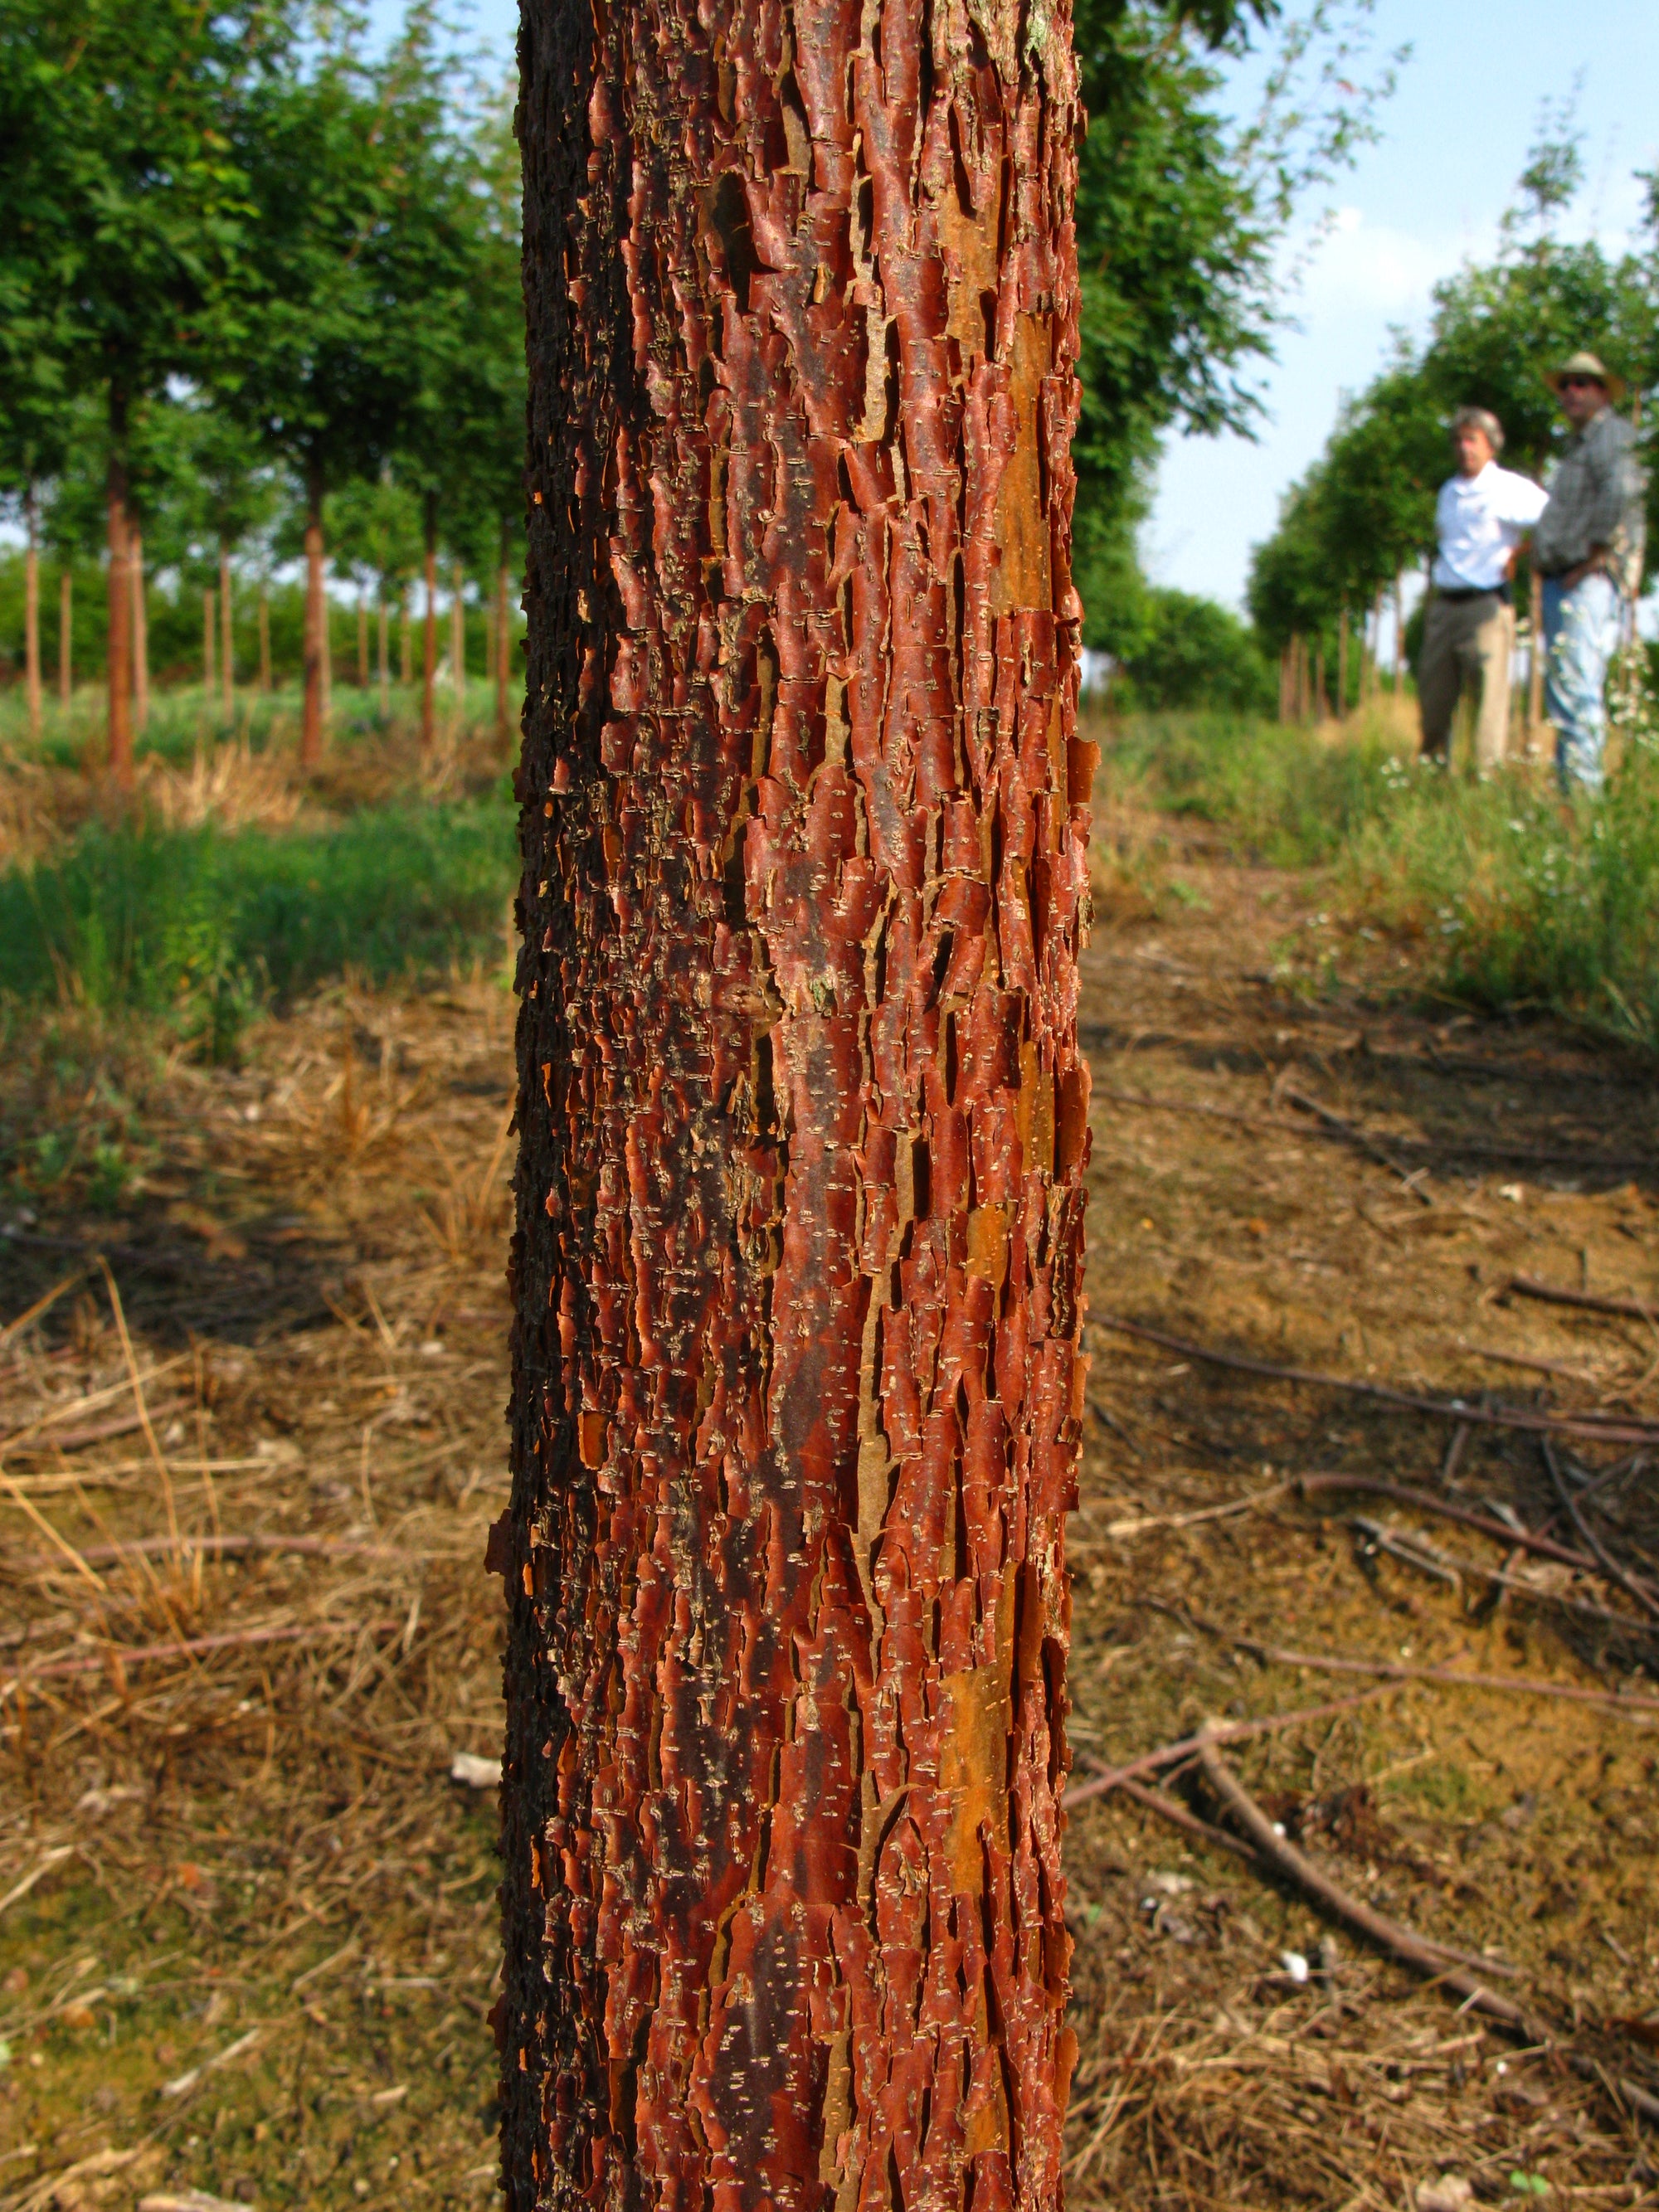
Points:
(1587, 364)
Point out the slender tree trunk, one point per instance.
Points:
(1321, 705)
(208, 609)
(119, 658)
(457, 638)
(487, 608)
(1399, 637)
(31, 613)
(797, 1383)
(1284, 682)
(314, 709)
(405, 645)
(362, 641)
(1342, 667)
(140, 630)
(65, 638)
(429, 671)
(384, 658)
(227, 637)
(503, 717)
(264, 641)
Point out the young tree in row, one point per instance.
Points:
(374, 525)
(357, 186)
(798, 1383)
(119, 192)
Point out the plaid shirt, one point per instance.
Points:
(1596, 499)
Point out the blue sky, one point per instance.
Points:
(1415, 205)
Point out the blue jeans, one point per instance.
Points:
(1581, 635)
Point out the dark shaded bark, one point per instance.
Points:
(797, 1268)
(314, 709)
(119, 658)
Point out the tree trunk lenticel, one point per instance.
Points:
(798, 1266)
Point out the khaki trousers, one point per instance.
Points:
(1466, 644)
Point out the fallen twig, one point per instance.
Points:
(1425, 1501)
(1397, 1670)
(1557, 1294)
(1403, 1943)
(1610, 1566)
(192, 1647)
(1167, 1809)
(1366, 1143)
(1106, 1779)
(1445, 1409)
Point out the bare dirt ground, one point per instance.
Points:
(248, 1936)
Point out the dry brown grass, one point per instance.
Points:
(251, 1873)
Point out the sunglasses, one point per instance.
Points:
(1581, 384)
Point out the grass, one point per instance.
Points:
(1289, 797)
(183, 718)
(1514, 898)
(203, 924)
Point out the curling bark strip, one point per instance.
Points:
(798, 1386)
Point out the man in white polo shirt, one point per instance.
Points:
(1480, 519)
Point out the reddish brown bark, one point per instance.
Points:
(265, 640)
(65, 638)
(119, 658)
(384, 663)
(208, 676)
(804, 1123)
(314, 710)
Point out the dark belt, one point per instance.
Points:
(1492, 592)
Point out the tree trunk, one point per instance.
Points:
(362, 642)
(1321, 705)
(1399, 637)
(264, 641)
(31, 613)
(797, 1392)
(430, 670)
(208, 678)
(1342, 667)
(65, 638)
(457, 638)
(503, 647)
(140, 630)
(227, 637)
(118, 657)
(314, 709)
(385, 663)
(405, 645)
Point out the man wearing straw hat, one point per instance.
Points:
(1587, 546)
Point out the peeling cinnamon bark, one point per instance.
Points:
(797, 1268)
